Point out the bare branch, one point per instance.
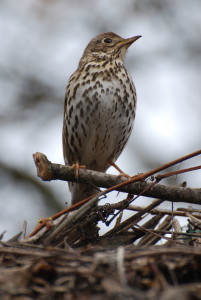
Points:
(50, 171)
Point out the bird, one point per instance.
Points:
(99, 109)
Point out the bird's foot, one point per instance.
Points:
(122, 174)
(77, 166)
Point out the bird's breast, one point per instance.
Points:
(100, 113)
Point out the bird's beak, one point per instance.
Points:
(130, 40)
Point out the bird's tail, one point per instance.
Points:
(80, 191)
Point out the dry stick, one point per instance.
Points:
(149, 238)
(179, 211)
(193, 218)
(190, 210)
(176, 232)
(158, 235)
(132, 180)
(42, 163)
(154, 171)
(132, 199)
(48, 171)
(159, 176)
(44, 222)
(151, 224)
(176, 227)
(172, 163)
(129, 222)
(164, 252)
(160, 211)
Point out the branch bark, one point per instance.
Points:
(48, 171)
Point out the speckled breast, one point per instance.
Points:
(100, 113)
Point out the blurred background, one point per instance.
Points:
(41, 42)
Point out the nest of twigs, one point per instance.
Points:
(65, 257)
(132, 272)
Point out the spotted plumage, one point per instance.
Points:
(99, 109)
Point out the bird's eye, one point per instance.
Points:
(107, 41)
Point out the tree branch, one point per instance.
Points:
(49, 171)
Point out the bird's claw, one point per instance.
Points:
(77, 166)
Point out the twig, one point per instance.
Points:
(152, 238)
(158, 236)
(129, 222)
(48, 171)
(193, 218)
(176, 232)
(161, 211)
(190, 210)
(24, 229)
(120, 266)
(159, 176)
(63, 226)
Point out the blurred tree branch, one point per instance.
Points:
(48, 196)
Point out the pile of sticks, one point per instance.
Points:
(66, 257)
(77, 226)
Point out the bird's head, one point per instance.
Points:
(107, 46)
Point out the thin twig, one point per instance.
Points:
(131, 220)
(159, 176)
(157, 211)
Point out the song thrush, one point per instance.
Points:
(99, 109)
